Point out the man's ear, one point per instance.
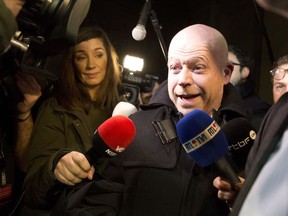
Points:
(245, 73)
(228, 71)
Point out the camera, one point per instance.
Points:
(145, 82)
(46, 29)
(134, 83)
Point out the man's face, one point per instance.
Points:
(280, 86)
(146, 96)
(195, 81)
(236, 76)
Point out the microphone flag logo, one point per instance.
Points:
(202, 138)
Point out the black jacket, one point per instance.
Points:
(152, 178)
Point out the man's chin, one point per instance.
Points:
(185, 111)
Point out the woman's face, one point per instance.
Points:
(91, 62)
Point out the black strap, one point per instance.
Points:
(165, 130)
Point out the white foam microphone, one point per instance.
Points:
(124, 109)
(139, 32)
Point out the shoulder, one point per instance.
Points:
(232, 105)
(52, 104)
(49, 110)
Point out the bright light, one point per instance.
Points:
(133, 63)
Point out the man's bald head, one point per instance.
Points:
(200, 35)
(198, 69)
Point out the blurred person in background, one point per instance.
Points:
(279, 77)
(146, 96)
(242, 79)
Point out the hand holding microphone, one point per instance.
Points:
(205, 142)
(240, 135)
(73, 168)
(226, 192)
(111, 138)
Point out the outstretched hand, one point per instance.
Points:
(72, 168)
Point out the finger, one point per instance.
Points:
(221, 184)
(72, 167)
(217, 182)
(62, 178)
(91, 173)
(81, 161)
(69, 169)
(224, 195)
(63, 170)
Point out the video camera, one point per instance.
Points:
(134, 83)
(46, 29)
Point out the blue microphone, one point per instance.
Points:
(205, 142)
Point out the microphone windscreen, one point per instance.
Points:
(117, 132)
(139, 33)
(240, 135)
(201, 137)
(124, 108)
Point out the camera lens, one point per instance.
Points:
(40, 15)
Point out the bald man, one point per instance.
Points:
(156, 176)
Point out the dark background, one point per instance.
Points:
(263, 35)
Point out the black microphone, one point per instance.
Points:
(240, 135)
(139, 32)
(205, 142)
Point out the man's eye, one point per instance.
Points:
(175, 68)
(198, 69)
(279, 86)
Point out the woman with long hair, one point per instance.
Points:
(85, 95)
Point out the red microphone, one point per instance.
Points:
(111, 138)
